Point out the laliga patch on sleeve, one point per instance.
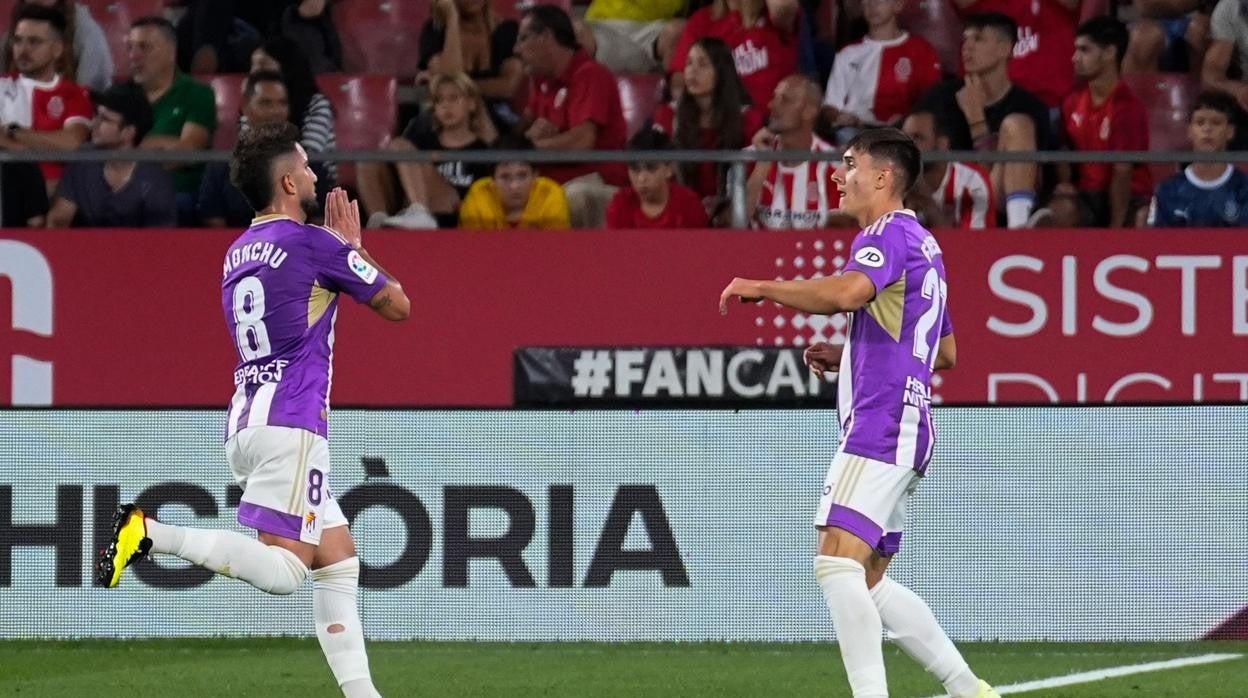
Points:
(364, 270)
(870, 257)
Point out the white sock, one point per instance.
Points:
(266, 567)
(857, 623)
(910, 619)
(338, 627)
(1018, 205)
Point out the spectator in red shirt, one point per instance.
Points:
(1046, 36)
(654, 200)
(1102, 115)
(878, 80)
(762, 35)
(39, 108)
(713, 113)
(574, 104)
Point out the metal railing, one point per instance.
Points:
(737, 159)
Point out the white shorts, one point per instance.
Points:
(284, 473)
(867, 498)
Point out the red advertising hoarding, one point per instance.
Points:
(134, 317)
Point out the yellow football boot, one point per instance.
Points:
(130, 542)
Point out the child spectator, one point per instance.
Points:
(460, 122)
(515, 196)
(1205, 194)
(653, 200)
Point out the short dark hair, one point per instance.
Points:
(511, 141)
(894, 146)
(1216, 100)
(251, 164)
(254, 79)
(994, 20)
(940, 124)
(650, 139)
(553, 19)
(165, 26)
(39, 13)
(1106, 31)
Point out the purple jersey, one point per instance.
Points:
(280, 295)
(884, 391)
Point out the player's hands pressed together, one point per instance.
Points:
(342, 215)
(822, 357)
(745, 289)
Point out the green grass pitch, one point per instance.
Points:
(294, 667)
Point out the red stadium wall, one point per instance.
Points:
(133, 317)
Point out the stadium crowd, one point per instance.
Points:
(1013, 76)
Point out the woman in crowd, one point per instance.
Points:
(712, 113)
(464, 36)
(432, 192)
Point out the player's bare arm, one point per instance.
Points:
(832, 294)
(946, 353)
(342, 215)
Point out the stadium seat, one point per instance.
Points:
(938, 22)
(639, 95)
(229, 93)
(365, 113)
(115, 17)
(6, 11)
(1168, 97)
(380, 36)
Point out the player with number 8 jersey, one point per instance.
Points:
(282, 279)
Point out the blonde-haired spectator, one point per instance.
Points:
(432, 192)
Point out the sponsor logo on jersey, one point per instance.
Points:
(870, 257)
(361, 268)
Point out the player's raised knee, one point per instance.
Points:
(289, 575)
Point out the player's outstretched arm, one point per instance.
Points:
(832, 294)
(946, 353)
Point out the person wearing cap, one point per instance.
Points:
(121, 192)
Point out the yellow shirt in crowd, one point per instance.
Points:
(483, 207)
(634, 10)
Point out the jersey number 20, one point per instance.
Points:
(252, 335)
(936, 290)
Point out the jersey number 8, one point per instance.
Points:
(252, 335)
